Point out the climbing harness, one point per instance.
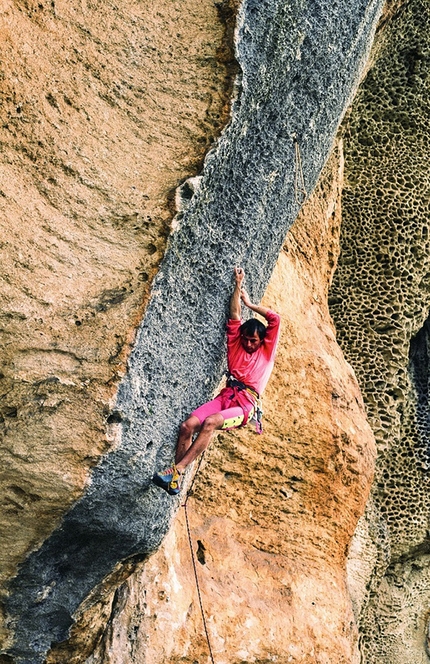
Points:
(300, 192)
(256, 414)
(233, 382)
(193, 560)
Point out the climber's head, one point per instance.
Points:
(252, 333)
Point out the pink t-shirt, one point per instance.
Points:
(253, 369)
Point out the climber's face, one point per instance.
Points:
(250, 342)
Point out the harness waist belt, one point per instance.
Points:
(233, 382)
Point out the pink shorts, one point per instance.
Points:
(226, 405)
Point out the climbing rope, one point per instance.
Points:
(300, 192)
(193, 560)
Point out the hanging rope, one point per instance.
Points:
(193, 560)
(300, 192)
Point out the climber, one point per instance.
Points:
(251, 348)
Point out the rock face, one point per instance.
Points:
(93, 151)
(271, 516)
(379, 302)
(85, 216)
(105, 108)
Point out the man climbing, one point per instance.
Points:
(251, 348)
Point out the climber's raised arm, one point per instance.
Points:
(261, 311)
(235, 308)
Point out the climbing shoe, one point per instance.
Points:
(175, 485)
(168, 480)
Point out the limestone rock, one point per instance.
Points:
(380, 306)
(105, 108)
(271, 516)
(94, 150)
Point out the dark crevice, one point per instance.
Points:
(420, 376)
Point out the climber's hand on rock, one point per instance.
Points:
(245, 298)
(239, 274)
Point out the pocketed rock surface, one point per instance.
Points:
(271, 516)
(380, 305)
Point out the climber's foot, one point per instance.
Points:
(168, 479)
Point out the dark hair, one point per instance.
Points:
(253, 325)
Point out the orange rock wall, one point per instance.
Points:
(105, 109)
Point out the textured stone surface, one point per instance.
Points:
(299, 68)
(271, 516)
(105, 108)
(380, 305)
